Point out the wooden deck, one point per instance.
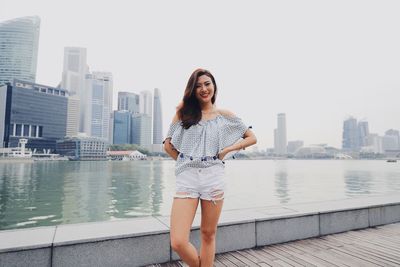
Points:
(378, 246)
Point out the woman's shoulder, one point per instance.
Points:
(226, 113)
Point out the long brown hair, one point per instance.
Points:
(190, 111)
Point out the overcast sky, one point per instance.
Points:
(317, 61)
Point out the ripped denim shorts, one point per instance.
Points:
(204, 183)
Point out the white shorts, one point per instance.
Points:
(204, 183)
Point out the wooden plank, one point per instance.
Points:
(246, 261)
(370, 235)
(289, 259)
(309, 260)
(355, 249)
(282, 251)
(355, 253)
(282, 263)
(395, 256)
(264, 258)
(249, 256)
(218, 263)
(228, 260)
(378, 239)
(317, 253)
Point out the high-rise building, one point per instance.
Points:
(146, 103)
(128, 101)
(32, 111)
(391, 140)
(141, 130)
(19, 42)
(98, 105)
(350, 135)
(355, 134)
(122, 127)
(376, 143)
(73, 115)
(363, 132)
(74, 70)
(157, 118)
(280, 138)
(73, 78)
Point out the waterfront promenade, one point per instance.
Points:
(378, 246)
(145, 241)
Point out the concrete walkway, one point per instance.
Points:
(376, 246)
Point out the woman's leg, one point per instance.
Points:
(182, 215)
(210, 213)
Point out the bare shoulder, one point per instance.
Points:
(176, 116)
(226, 113)
(179, 106)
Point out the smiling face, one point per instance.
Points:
(204, 89)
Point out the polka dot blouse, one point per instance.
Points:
(199, 145)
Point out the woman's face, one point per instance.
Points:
(204, 89)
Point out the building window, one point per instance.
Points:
(11, 129)
(50, 91)
(43, 90)
(18, 130)
(25, 130)
(33, 130)
(62, 93)
(40, 131)
(57, 92)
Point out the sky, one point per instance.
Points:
(317, 61)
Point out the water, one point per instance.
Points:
(51, 193)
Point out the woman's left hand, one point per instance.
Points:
(223, 153)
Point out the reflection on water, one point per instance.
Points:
(281, 182)
(358, 182)
(51, 193)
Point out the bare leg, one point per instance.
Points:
(210, 213)
(182, 215)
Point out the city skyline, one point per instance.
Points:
(299, 59)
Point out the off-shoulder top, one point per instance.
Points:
(199, 145)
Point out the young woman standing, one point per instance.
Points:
(199, 138)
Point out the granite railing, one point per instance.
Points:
(142, 241)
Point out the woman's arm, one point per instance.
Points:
(168, 147)
(249, 139)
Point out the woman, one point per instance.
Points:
(199, 138)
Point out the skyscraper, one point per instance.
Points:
(146, 103)
(73, 116)
(128, 101)
(157, 118)
(363, 132)
(350, 135)
(122, 127)
(391, 140)
(19, 42)
(141, 130)
(98, 105)
(280, 142)
(73, 78)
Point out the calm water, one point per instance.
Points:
(50, 193)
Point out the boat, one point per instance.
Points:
(391, 160)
